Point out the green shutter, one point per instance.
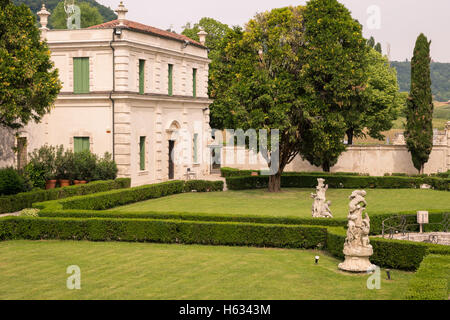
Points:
(141, 76)
(80, 75)
(196, 148)
(81, 144)
(170, 79)
(142, 153)
(194, 83)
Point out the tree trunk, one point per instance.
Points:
(350, 136)
(275, 182)
(326, 167)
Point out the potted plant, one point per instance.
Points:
(44, 158)
(64, 165)
(84, 164)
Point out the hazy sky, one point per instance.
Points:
(399, 23)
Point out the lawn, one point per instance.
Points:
(37, 270)
(292, 202)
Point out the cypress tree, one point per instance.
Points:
(419, 113)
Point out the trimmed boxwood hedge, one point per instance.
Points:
(163, 231)
(432, 280)
(116, 198)
(21, 201)
(337, 181)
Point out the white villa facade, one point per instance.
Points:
(128, 89)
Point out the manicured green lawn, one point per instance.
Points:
(37, 270)
(292, 202)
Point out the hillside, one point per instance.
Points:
(440, 77)
(35, 6)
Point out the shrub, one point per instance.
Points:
(431, 280)
(203, 186)
(84, 165)
(105, 169)
(29, 213)
(167, 231)
(25, 200)
(64, 164)
(11, 182)
(42, 165)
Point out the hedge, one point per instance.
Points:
(337, 181)
(163, 231)
(21, 201)
(432, 280)
(116, 198)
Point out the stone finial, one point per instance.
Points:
(43, 17)
(121, 13)
(202, 36)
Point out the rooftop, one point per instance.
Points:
(136, 26)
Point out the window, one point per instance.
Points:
(81, 144)
(194, 83)
(170, 79)
(142, 153)
(141, 76)
(80, 75)
(195, 147)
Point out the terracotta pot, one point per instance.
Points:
(50, 184)
(76, 182)
(83, 182)
(64, 183)
(255, 174)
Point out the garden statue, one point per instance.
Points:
(321, 207)
(357, 248)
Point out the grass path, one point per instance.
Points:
(292, 202)
(37, 270)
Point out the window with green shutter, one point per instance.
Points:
(170, 79)
(81, 144)
(194, 83)
(80, 75)
(141, 76)
(142, 153)
(196, 148)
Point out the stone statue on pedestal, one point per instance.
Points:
(357, 248)
(321, 207)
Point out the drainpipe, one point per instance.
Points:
(110, 96)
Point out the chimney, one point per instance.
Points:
(43, 20)
(202, 36)
(121, 13)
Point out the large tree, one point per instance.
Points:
(419, 112)
(382, 101)
(28, 81)
(257, 84)
(90, 16)
(334, 74)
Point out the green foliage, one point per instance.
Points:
(84, 165)
(334, 75)
(440, 73)
(293, 180)
(11, 182)
(35, 6)
(431, 281)
(106, 168)
(29, 83)
(419, 113)
(21, 201)
(42, 165)
(90, 16)
(107, 200)
(29, 213)
(382, 99)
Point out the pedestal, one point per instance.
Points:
(357, 260)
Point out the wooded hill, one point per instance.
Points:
(440, 78)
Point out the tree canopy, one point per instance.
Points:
(29, 83)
